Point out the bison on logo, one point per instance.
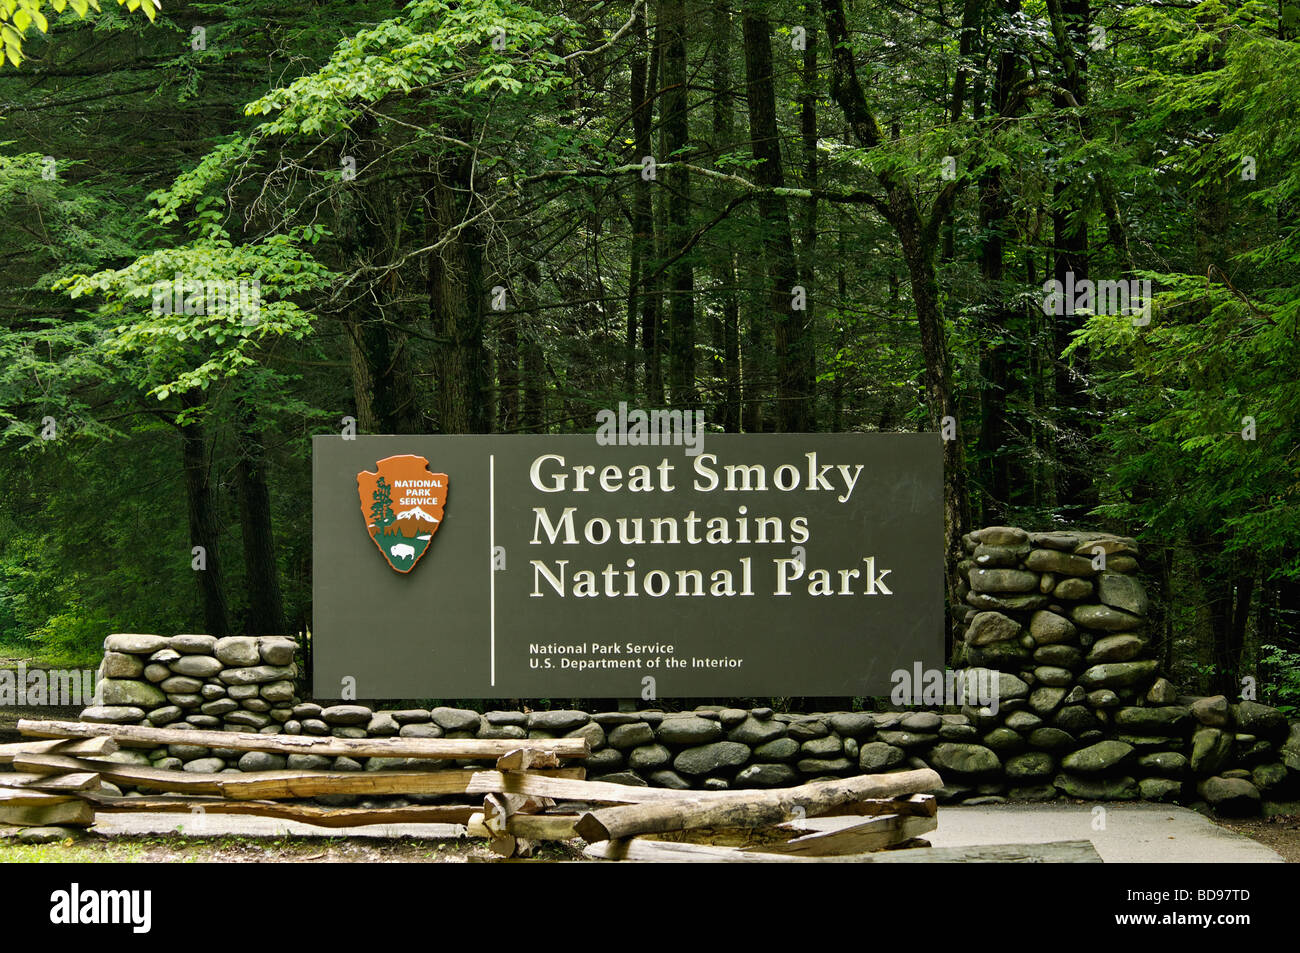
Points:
(402, 503)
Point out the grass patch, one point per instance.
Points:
(36, 654)
(178, 848)
(70, 851)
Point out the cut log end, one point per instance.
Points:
(521, 759)
(590, 829)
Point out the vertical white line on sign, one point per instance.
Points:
(492, 565)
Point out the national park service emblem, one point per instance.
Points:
(402, 503)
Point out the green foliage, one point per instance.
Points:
(178, 345)
(1216, 357)
(1284, 688)
(494, 142)
(72, 638)
(18, 16)
(473, 49)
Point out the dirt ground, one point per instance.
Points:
(1280, 832)
(11, 715)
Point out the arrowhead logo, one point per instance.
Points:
(402, 503)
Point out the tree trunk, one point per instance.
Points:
(637, 258)
(681, 276)
(457, 298)
(382, 383)
(1075, 493)
(998, 314)
(919, 240)
(968, 36)
(643, 243)
(940, 401)
(507, 364)
(261, 569)
(789, 314)
(1234, 640)
(727, 337)
(1040, 331)
(808, 249)
(754, 363)
(201, 508)
(840, 339)
(652, 297)
(533, 417)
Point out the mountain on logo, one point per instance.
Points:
(415, 513)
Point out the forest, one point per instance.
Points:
(1064, 234)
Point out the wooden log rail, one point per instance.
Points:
(59, 779)
(650, 851)
(469, 749)
(749, 808)
(91, 747)
(257, 785)
(304, 813)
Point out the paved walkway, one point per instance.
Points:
(1144, 833)
(1130, 833)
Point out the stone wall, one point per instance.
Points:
(197, 681)
(1082, 710)
(1085, 712)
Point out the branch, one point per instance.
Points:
(631, 22)
(850, 197)
(941, 208)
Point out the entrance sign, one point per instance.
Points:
(753, 565)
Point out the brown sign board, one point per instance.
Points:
(757, 565)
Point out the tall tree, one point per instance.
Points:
(918, 236)
(788, 305)
(205, 531)
(677, 183)
(1070, 22)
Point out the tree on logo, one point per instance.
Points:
(381, 511)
